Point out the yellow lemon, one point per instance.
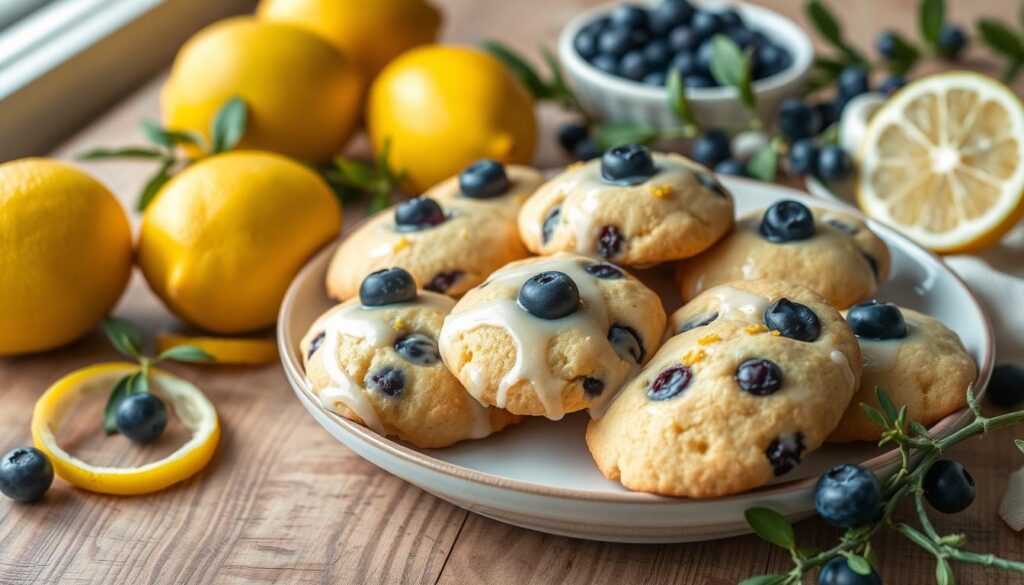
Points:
(444, 107)
(372, 33)
(303, 94)
(224, 238)
(65, 254)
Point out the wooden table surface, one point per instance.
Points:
(283, 502)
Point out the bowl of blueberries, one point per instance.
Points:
(619, 56)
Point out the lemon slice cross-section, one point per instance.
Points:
(943, 161)
(190, 405)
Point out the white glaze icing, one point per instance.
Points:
(839, 358)
(880, 355)
(740, 304)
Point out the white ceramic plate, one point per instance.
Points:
(540, 475)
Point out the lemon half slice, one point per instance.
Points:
(943, 161)
(194, 410)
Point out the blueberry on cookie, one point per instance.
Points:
(760, 374)
(631, 206)
(488, 181)
(552, 335)
(832, 253)
(374, 360)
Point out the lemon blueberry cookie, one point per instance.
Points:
(552, 335)
(631, 207)
(760, 374)
(448, 246)
(374, 360)
(916, 359)
(832, 253)
(486, 180)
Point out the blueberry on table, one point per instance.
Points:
(1006, 388)
(25, 474)
(387, 287)
(633, 65)
(711, 148)
(670, 383)
(952, 41)
(586, 150)
(572, 134)
(792, 320)
(484, 179)
(759, 377)
(803, 157)
(629, 16)
(886, 45)
(550, 295)
(852, 82)
(838, 572)
(731, 166)
(630, 164)
(848, 496)
(705, 24)
(682, 38)
(785, 453)
(874, 320)
(670, 14)
(389, 381)
(614, 42)
(892, 84)
(798, 119)
(834, 164)
(787, 221)
(417, 214)
(948, 487)
(142, 417)
(418, 349)
(626, 343)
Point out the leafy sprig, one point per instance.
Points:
(127, 339)
(352, 179)
(914, 443)
(549, 86)
(1006, 42)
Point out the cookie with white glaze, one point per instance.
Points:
(631, 207)
(832, 253)
(503, 186)
(551, 335)
(375, 361)
(918, 361)
(760, 374)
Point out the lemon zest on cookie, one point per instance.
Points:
(755, 329)
(402, 243)
(709, 339)
(464, 234)
(398, 325)
(691, 357)
(661, 191)
(776, 333)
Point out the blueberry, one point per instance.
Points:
(607, 64)
(386, 287)
(705, 24)
(798, 119)
(389, 381)
(787, 221)
(759, 377)
(142, 417)
(711, 148)
(443, 281)
(484, 179)
(655, 78)
(887, 45)
(730, 19)
(770, 59)
(417, 214)
(744, 37)
(315, 343)
(848, 496)
(892, 84)
(630, 164)
(834, 164)
(587, 150)
(656, 54)
(418, 349)
(614, 42)
(633, 65)
(592, 386)
(1006, 388)
(828, 114)
(731, 166)
(25, 474)
(838, 572)
(952, 40)
(696, 322)
(785, 452)
(682, 38)
(670, 14)
(550, 223)
(550, 295)
(629, 16)
(874, 320)
(705, 53)
(670, 383)
(610, 241)
(699, 80)
(585, 43)
(604, 271)
(948, 487)
(570, 135)
(852, 82)
(803, 157)
(626, 343)
(711, 183)
(792, 320)
(686, 63)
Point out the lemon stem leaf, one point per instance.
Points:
(124, 336)
(121, 390)
(184, 353)
(228, 125)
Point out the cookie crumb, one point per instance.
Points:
(709, 339)
(661, 191)
(755, 329)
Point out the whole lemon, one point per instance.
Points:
(223, 239)
(303, 94)
(65, 254)
(444, 107)
(372, 33)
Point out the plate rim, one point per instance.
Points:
(946, 425)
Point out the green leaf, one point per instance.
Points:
(558, 87)
(766, 580)
(943, 573)
(618, 133)
(771, 526)
(228, 125)
(677, 101)
(888, 408)
(919, 429)
(138, 384)
(807, 552)
(931, 17)
(1001, 38)
(764, 164)
(185, 353)
(731, 66)
(154, 184)
(140, 152)
(858, 564)
(380, 201)
(123, 336)
(1020, 444)
(121, 389)
(161, 136)
(875, 416)
(828, 27)
(520, 68)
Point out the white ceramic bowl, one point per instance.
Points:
(540, 475)
(621, 100)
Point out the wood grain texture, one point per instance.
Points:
(285, 503)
